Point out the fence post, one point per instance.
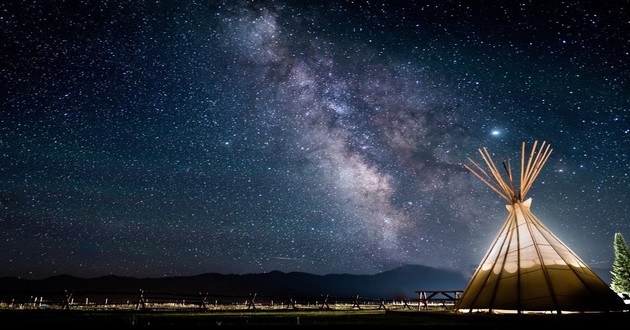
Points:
(68, 296)
(141, 300)
(324, 303)
(291, 303)
(382, 305)
(204, 300)
(356, 302)
(251, 304)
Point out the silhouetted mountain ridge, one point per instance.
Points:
(401, 282)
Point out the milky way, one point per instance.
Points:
(167, 138)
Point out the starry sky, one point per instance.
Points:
(175, 138)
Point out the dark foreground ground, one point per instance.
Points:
(44, 319)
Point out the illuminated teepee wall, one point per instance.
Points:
(527, 268)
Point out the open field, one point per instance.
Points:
(372, 317)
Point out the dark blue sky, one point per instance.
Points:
(165, 138)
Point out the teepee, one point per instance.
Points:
(527, 268)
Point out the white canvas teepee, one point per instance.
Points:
(527, 268)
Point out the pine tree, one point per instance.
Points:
(621, 266)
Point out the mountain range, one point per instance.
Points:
(398, 283)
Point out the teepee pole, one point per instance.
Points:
(488, 183)
(522, 178)
(535, 166)
(487, 179)
(541, 159)
(495, 182)
(505, 228)
(525, 171)
(512, 224)
(495, 172)
(508, 169)
(534, 222)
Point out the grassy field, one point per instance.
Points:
(380, 318)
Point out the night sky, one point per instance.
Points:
(175, 138)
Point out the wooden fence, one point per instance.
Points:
(151, 300)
